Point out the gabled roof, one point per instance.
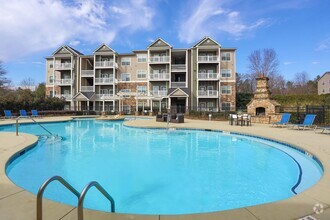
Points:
(68, 49)
(105, 48)
(178, 92)
(205, 39)
(159, 40)
(323, 75)
(84, 95)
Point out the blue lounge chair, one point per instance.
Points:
(323, 129)
(35, 113)
(307, 123)
(284, 120)
(23, 114)
(8, 114)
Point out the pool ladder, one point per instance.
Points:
(34, 122)
(80, 196)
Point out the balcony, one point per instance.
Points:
(178, 67)
(87, 73)
(105, 64)
(159, 76)
(178, 84)
(159, 59)
(208, 94)
(65, 96)
(104, 97)
(106, 80)
(208, 59)
(63, 66)
(208, 76)
(63, 82)
(159, 93)
(87, 88)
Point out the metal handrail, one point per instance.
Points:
(83, 194)
(43, 187)
(34, 122)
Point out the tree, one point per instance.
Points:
(28, 83)
(41, 91)
(265, 63)
(3, 80)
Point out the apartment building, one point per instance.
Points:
(323, 84)
(159, 78)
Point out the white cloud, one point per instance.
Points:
(324, 45)
(210, 17)
(315, 62)
(288, 62)
(35, 25)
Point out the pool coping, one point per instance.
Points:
(292, 208)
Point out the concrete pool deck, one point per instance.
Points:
(17, 203)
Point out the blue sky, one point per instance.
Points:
(299, 30)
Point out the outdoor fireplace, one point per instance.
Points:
(261, 107)
(260, 111)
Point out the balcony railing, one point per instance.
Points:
(87, 73)
(87, 88)
(208, 59)
(160, 59)
(63, 65)
(178, 67)
(105, 80)
(208, 93)
(178, 84)
(208, 76)
(63, 82)
(159, 93)
(105, 64)
(104, 96)
(66, 96)
(159, 76)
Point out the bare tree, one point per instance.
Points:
(28, 83)
(4, 81)
(265, 63)
(301, 79)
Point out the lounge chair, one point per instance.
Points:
(23, 114)
(8, 114)
(35, 113)
(284, 120)
(323, 129)
(307, 123)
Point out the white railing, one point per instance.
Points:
(178, 84)
(208, 59)
(106, 64)
(159, 76)
(104, 96)
(62, 65)
(178, 67)
(208, 93)
(159, 93)
(105, 80)
(160, 59)
(87, 88)
(87, 72)
(63, 82)
(66, 96)
(208, 76)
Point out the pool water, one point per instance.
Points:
(154, 171)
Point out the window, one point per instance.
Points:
(123, 91)
(126, 61)
(142, 58)
(210, 104)
(226, 73)
(51, 65)
(52, 79)
(141, 89)
(141, 74)
(127, 109)
(225, 56)
(226, 90)
(51, 93)
(225, 106)
(125, 77)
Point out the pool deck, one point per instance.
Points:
(17, 203)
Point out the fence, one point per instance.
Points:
(298, 113)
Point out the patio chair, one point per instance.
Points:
(246, 119)
(177, 118)
(284, 120)
(323, 129)
(307, 123)
(8, 114)
(35, 114)
(159, 118)
(23, 114)
(233, 119)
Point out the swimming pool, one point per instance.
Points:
(154, 171)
